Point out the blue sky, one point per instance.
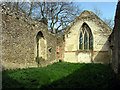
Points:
(108, 9)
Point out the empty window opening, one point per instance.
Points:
(81, 41)
(50, 49)
(86, 38)
(38, 37)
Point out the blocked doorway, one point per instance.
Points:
(41, 45)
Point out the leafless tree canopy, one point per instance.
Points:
(57, 15)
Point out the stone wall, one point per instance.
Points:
(19, 41)
(114, 40)
(60, 48)
(100, 33)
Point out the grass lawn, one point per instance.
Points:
(60, 75)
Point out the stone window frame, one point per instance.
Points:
(38, 37)
(42, 36)
(85, 32)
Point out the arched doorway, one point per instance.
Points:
(41, 45)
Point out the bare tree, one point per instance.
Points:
(24, 7)
(97, 11)
(108, 21)
(57, 15)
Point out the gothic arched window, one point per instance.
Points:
(86, 38)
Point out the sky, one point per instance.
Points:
(108, 9)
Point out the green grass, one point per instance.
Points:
(60, 75)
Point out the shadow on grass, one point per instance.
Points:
(23, 79)
(8, 82)
(89, 76)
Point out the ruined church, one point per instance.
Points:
(87, 40)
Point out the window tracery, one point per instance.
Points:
(86, 38)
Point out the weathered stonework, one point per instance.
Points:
(24, 39)
(100, 32)
(114, 40)
(19, 41)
